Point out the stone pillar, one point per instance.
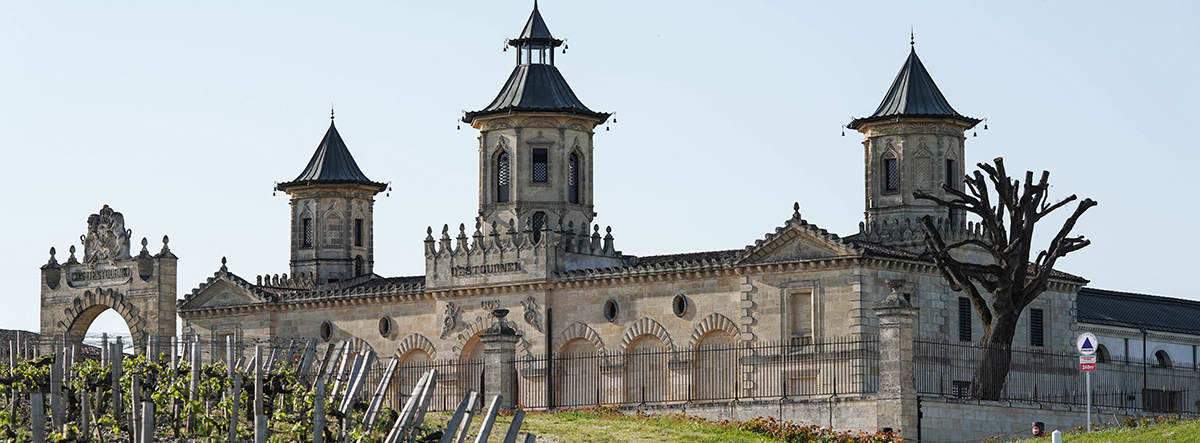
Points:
(896, 403)
(499, 360)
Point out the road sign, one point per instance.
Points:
(1086, 343)
(1087, 366)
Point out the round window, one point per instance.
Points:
(679, 305)
(610, 310)
(385, 326)
(326, 330)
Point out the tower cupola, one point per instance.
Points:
(913, 141)
(332, 205)
(535, 141)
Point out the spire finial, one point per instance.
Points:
(912, 36)
(330, 111)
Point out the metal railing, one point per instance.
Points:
(709, 374)
(946, 368)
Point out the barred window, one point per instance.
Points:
(502, 177)
(1036, 328)
(539, 222)
(306, 232)
(541, 170)
(573, 179)
(960, 388)
(891, 175)
(360, 265)
(924, 173)
(952, 177)
(964, 319)
(358, 232)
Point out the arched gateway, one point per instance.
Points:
(140, 288)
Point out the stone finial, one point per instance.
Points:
(51, 253)
(166, 250)
(429, 233)
(145, 253)
(501, 326)
(895, 299)
(223, 267)
(71, 259)
(796, 210)
(53, 262)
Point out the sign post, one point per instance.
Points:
(1086, 344)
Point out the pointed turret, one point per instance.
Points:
(913, 94)
(914, 142)
(535, 141)
(332, 214)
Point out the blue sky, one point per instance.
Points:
(183, 116)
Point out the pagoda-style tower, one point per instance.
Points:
(535, 142)
(332, 205)
(913, 141)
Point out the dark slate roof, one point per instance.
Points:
(913, 93)
(657, 260)
(535, 32)
(535, 88)
(1129, 310)
(332, 163)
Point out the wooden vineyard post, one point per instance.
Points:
(85, 415)
(377, 399)
(260, 417)
(56, 386)
(234, 397)
(147, 421)
(37, 417)
(194, 385)
(462, 416)
(135, 409)
(319, 412)
(485, 429)
(115, 356)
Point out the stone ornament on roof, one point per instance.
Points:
(107, 239)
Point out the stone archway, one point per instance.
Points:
(140, 288)
(84, 309)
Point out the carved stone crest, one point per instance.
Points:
(450, 321)
(533, 313)
(106, 240)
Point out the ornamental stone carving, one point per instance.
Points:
(450, 319)
(533, 313)
(107, 240)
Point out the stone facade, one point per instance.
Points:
(140, 288)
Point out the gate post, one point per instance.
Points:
(499, 360)
(896, 403)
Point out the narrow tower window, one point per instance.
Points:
(306, 232)
(964, 319)
(541, 168)
(360, 266)
(358, 232)
(1036, 328)
(539, 222)
(502, 171)
(891, 175)
(952, 178)
(573, 179)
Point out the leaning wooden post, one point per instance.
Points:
(260, 416)
(37, 417)
(319, 413)
(485, 429)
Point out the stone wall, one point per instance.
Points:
(959, 420)
(839, 413)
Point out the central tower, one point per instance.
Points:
(535, 142)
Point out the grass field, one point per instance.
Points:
(594, 427)
(1167, 433)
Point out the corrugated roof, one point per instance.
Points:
(913, 93)
(1125, 309)
(535, 88)
(332, 163)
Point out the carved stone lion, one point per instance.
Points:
(107, 240)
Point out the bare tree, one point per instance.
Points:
(1010, 278)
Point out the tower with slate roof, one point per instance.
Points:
(535, 142)
(332, 204)
(913, 141)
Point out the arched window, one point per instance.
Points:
(502, 177)
(573, 179)
(646, 372)
(538, 222)
(891, 173)
(715, 367)
(1102, 355)
(577, 374)
(1162, 359)
(360, 266)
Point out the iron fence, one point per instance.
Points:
(707, 374)
(947, 368)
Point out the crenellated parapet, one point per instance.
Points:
(910, 235)
(503, 253)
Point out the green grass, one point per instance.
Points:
(598, 427)
(1167, 433)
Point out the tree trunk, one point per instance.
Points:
(988, 382)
